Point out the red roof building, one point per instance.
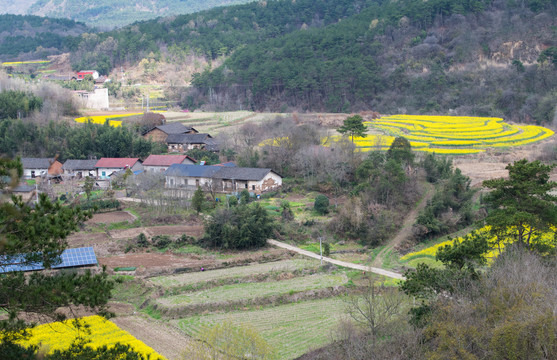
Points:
(159, 163)
(108, 166)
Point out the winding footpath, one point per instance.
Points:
(374, 270)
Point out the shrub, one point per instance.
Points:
(142, 241)
(321, 204)
(161, 241)
(326, 249)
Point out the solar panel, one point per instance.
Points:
(69, 258)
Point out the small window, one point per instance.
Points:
(253, 187)
(104, 173)
(33, 174)
(246, 185)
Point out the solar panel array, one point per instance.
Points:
(70, 258)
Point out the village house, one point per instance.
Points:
(161, 132)
(27, 192)
(159, 163)
(107, 166)
(222, 179)
(80, 168)
(41, 167)
(83, 73)
(185, 142)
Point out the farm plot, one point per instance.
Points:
(59, 336)
(249, 291)
(291, 329)
(448, 134)
(232, 273)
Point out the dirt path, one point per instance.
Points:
(375, 270)
(406, 231)
(164, 339)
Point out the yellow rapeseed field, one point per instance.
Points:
(431, 251)
(15, 63)
(60, 335)
(456, 134)
(101, 119)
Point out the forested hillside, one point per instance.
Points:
(35, 36)
(469, 57)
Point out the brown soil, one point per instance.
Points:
(165, 340)
(155, 263)
(171, 230)
(111, 217)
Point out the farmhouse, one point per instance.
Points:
(83, 73)
(38, 167)
(80, 168)
(159, 163)
(185, 142)
(225, 179)
(107, 166)
(160, 133)
(96, 99)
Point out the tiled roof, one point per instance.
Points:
(217, 172)
(187, 138)
(205, 171)
(116, 162)
(79, 165)
(24, 188)
(165, 160)
(241, 173)
(173, 128)
(37, 163)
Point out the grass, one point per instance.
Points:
(292, 329)
(124, 225)
(234, 272)
(243, 291)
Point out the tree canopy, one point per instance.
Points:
(353, 126)
(37, 234)
(522, 206)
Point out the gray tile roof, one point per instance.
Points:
(24, 188)
(205, 171)
(174, 128)
(79, 165)
(187, 138)
(241, 173)
(217, 172)
(36, 163)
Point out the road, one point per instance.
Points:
(374, 270)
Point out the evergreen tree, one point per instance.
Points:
(353, 126)
(197, 200)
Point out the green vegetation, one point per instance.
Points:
(306, 326)
(18, 104)
(232, 273)
(253, 291)
(72, 142)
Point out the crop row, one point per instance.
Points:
(292, 329)
(101, 119)
(232, 273)
(60, 335)
(250, 291)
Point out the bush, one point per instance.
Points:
(142, 241)
(161, 241)
(326, 249)
(101, 205)
(240, 227)
(321, 204)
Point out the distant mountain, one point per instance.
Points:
(110, 13)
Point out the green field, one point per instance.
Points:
(243, 291)
(231, 273)
(292, 329)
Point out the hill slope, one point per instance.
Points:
(110, 13)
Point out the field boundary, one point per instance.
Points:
(387, 273)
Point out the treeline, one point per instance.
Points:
(27, 139)
(28, 34)
(210, 33)
(17, 104)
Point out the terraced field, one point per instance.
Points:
(247, 291)
(233, 273)
(448, 134)
(292, 329)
